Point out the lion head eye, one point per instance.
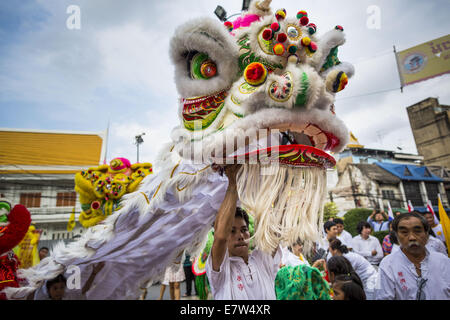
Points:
(200, 66)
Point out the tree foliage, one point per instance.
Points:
(330, 210)
(353, 217)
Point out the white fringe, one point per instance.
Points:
(286, 202)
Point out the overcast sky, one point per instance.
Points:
(116, 67)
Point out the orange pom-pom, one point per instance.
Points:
(255, 74)
(278, 49)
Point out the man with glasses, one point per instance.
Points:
(413, 273)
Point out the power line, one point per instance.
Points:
(367, 94)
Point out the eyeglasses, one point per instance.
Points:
(420, 284)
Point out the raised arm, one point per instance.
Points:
(99, 266)
(370, 218)
(224, 219)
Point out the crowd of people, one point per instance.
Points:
(411, 262)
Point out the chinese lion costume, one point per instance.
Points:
(101, 188)
(258, 91)
(13, 228)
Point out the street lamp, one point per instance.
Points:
(245, 4)
(221, 13)
(139, 140)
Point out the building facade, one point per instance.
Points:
(37, 169)
(430, 125)
(378, 185)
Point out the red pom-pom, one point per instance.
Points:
(313, 46)
(228, 25)
(267, 34)
(95, 205)
(255, 73)
(282, 37)
(275, 26)
(304, 20)
(19, 220)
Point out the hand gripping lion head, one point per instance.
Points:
(263, 88)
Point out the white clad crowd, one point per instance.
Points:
(388, 272)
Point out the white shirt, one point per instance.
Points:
(395, 247)
(439, 232)
(398, 279)
(378, 226)
(434, 244)
(323, 244)
(237, 280)
(290, 259)
(346, 238)
(364, 269)
(365, 248)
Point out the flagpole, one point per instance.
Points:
(399, 71)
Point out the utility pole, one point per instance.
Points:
(138, 141)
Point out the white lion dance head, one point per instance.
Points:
(258, 91)
(261, 90)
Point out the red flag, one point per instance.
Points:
(390, 213)
(430, 209)
(410, 206)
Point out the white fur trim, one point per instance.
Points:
(208, 36)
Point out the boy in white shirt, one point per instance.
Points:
(233, 273)
(366, 245)
(413, 272)
(293, 255)
(436, 227)
(343, 235)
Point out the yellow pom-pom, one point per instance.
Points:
(278, 49)
(306, 41)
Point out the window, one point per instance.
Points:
(407, 172)
(388, 194)
(412, 192)
(432, 192)
(427, 173)
(66, 199)
(30, 200)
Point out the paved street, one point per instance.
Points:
(154, 291)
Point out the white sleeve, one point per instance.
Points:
(379, 249)
(357, 248)
(269, 263)
(348, 238)
(217, 279)
(385, 288)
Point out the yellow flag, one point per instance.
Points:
(26, 250)
(424, 61)
(71, 224)
(445, 222)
